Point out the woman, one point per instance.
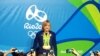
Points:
(45, 41)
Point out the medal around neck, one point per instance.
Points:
(46, 41)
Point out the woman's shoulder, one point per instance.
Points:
(39, 32)
(52, 32)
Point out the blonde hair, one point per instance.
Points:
(44, 24)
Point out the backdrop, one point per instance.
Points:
(75, 22)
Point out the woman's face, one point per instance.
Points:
(47, 27)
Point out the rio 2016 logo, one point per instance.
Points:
(33, 13)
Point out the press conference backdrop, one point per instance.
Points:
(75, 22)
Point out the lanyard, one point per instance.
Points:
(46, 39)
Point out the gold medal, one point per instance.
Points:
(46, 41)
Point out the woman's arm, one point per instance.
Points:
(76, 53)
(55, 44)
(9, 52)
(35, 45)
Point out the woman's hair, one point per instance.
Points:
(44, 24)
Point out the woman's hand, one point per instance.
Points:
(31, 54)
(34, 54)
(10, 51)
(75, 52)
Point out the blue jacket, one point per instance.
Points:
(38, 43)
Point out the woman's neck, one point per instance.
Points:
(46, 31)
